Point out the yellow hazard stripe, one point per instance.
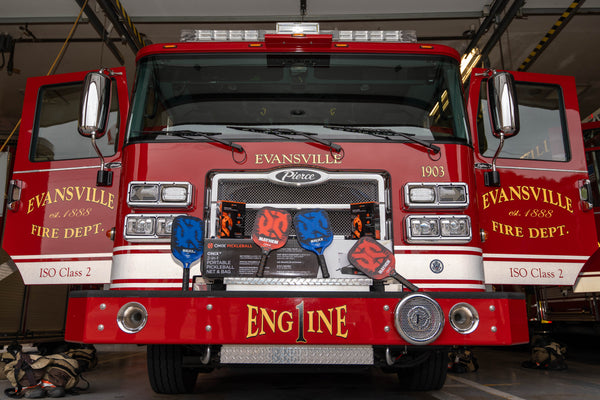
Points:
(130, 24)
(554, 30)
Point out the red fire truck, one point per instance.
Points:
(251, 131)
(566, 308)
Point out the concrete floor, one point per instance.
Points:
(121, 374)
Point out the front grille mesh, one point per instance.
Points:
(330, 192)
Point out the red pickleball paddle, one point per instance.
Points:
(270, 232)
(376, 261)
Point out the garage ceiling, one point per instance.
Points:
(40, 27)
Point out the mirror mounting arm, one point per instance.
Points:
(103, 177)
(503, 113)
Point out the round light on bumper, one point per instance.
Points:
(419, 319)
(463, 318)
(132, 317)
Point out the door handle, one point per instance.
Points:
(14, 194)
(586, 195)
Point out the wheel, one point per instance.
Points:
(428, 375)
(166, 372)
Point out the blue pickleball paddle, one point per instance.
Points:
(187, 243)
(314, 233)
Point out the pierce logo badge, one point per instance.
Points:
(298, 177)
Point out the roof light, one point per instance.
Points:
(306, 28)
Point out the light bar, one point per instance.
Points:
(217, 35)
(297, 28)
(406, 36)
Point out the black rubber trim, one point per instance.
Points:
(254, 294)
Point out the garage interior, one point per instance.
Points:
(541, 36)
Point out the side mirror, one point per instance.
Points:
(94, 110)
(504, 116)
(504, 111)
(94, 105)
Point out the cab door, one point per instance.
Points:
(537, 226)
(57, 217)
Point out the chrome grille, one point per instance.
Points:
(335, 192)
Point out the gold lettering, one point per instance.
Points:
(289, 322)
(59, 193)
(287, 158)
(341, 321)
(311, 324)
(47, 199)
(265, 316)
(508, 230)
(69, 192)
(536, 194)
(79, 193)
(30, 206)
(515, 192)
(486, 201)
(327, 322)
(252, 315)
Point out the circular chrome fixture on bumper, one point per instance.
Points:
(132, 317)
(464, 318)
(419, 319)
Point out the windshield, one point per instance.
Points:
(416, 94)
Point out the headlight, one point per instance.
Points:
(159, 194)
(427, 229)
(424, 227)
(436, 195)
(140, 227)
(455, 227)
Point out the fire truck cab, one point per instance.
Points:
(371, 132)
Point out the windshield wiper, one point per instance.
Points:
(282, 132)
(188, 134)
(386, 134)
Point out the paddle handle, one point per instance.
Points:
(186, 277)
(261, 265)
(323, 265)
(403, 281)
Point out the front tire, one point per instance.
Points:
(428, 375)
(166, 372)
